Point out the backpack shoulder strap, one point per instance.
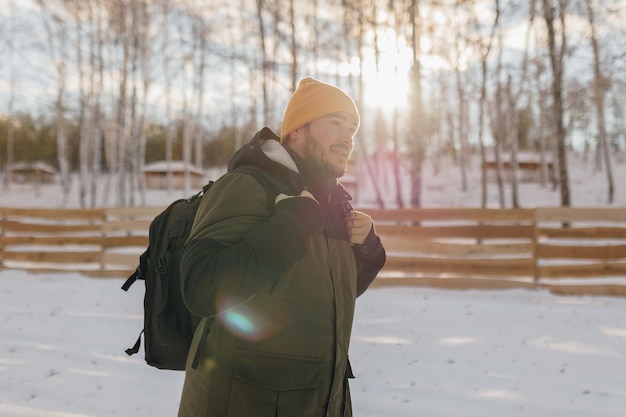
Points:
(272, 185)
(140, 272)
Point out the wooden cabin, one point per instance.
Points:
(528, 167)
(36, 172)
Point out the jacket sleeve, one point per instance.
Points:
(370, 258)
(238, 246)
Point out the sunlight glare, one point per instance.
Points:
(387, 81)
(20, 410)
(498, 393)
(613, 331)
(573, 347)
(451, 341)
(384, 340)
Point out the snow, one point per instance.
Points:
(174, 166)
(414, 352)
(588, 186)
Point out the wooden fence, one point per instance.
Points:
(565, 250)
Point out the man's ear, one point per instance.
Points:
(288, 138)
(296, 135)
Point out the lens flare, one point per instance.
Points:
(257, 318)
(238, 322)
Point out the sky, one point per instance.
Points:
(28, 78)
(414, 352)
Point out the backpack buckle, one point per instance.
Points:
(160, 267)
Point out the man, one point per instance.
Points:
(274, 263)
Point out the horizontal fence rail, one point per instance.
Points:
(578, 251)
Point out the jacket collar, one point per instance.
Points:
(277, 153)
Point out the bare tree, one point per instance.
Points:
(601, 84)
(96, 88)
(498, 125)
(56, 29)
(462, 111)
(485, 46)
(293, 45)
(266, 62)
(456, 50)
(10, 123)
(141, 83)
(186, 66)
(76, 10)
(538, 99)
(121, 19)
(109, 45)
(416, 117)
(169, 129)
(200, 51)
(513, 141)
(557, 48)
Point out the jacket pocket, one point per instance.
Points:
(268, 384)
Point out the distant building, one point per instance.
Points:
(156, 175)
(36, 172)
(528, 167)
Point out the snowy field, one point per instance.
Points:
(415, 351)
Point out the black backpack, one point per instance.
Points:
(168, 325)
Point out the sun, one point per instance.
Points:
(386, 79)
(386, 90)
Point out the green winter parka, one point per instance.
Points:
(276, 287)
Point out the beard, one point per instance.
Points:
(326, 164)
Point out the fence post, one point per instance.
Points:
(2, 220)
(103, 236)
(535, 244)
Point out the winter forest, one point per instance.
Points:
(99, 88)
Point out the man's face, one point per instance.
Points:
(326, 143)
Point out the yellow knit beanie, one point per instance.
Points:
(313, 99)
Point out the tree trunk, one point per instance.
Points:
(499, 128)
(9, 122)
(169, 129)
(461, 130)
(121, 138)
(97, 79)
(134, 117)
(198, 132)
(486, 50)
(397, 160)
(513, 129)
(556, 62)
(10, 139)
(265, 63)
(187, 124)
(293, 46)
(600, 86)
(83, 128)
(416, 120)
(61, 134)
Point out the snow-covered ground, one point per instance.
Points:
(415, 351)
(588, 186)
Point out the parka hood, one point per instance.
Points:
(264, 152)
